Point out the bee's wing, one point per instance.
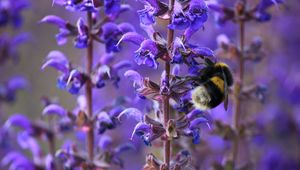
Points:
(225, 91)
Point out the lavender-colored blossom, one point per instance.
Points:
(9, 46)
(70, 79)
(143, 131)
(110, 154)
(65, 29)
(16, 160)
(54, 109)
(188, 53)
(147, 54)
(108, 71)
(18, 120)
(112, 7)
(180, 20)
(74, 5)
(222, 13)
(81, 40)
(198, 15)
(260, 14)
(147, 15)
(107, 120)
(9, 89)
(152, 9)
(27, 142)
(112, 33)
(10, 12)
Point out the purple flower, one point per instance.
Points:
(16, 160)
(77, 5)
(112, 7)
(143, 86)
(54, 109)
(107, 120)
(9, 46)
(105, 143)
(222, 13)
(147, 128)
(147, 15)
(188, 53)
(150, 49)
(81, 41)
(9, 89)
(152, 8)
(180, 21)
(260, 14)
(143, 131)
(198, 15)
(10, 12)
(65, 28)
(112, 155)
(190, 125)
(107, 71)
(28, 142)
(18, 120)
(147, 54)
(70, 79)
(112, 33)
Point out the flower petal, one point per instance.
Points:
(132, 37)
(18, 120)
(55, 20)
(196, 123)
(54, 109)
(132, 113)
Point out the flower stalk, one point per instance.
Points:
(166, 104)
(239, 82)
(88, 89)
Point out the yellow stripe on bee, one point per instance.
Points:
(221, 64)
(218, 82)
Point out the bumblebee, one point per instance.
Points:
(211, 87)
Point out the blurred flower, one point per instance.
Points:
(70, 79)
(10, 12)
(107, 120)
(112, 155)
(108, 71)
(16, 160)
(260, 14)
(9, 46)
(65, 28)
(112, 7)
(276, 159)
(9, 89)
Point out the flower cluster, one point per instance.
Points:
(98, 72)
(257, 13)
